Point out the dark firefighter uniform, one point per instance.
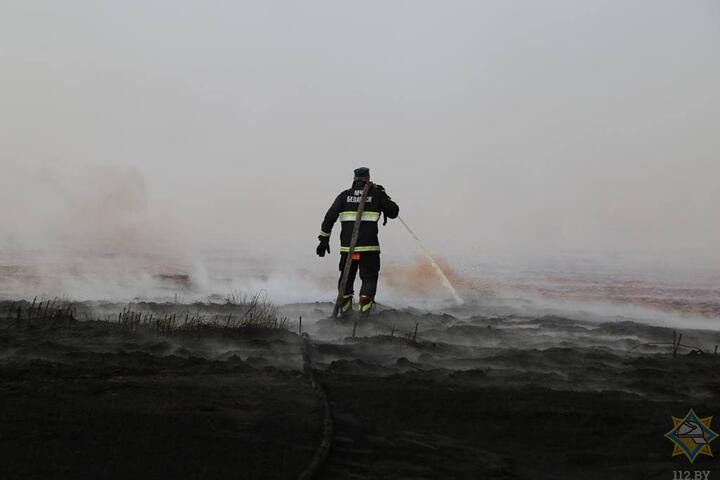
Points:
(366, 257)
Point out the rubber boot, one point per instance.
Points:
(366, 304)
(346, 305)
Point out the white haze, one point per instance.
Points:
(511, 133)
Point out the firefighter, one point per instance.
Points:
(366, 256)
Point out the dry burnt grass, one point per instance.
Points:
(134, 399)
(535, 398)
(211, 391)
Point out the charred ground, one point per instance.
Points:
(412, 395)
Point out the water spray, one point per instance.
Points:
(443, 278)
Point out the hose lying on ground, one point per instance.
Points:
(321, 453)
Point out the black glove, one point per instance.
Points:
(323, 247)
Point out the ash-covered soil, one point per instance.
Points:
(92, 399)
(412, 395)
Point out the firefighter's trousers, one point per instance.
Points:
(369, 266)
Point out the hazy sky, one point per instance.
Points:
(515, 126)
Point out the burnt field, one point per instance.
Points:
(151, 390)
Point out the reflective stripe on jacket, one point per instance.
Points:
(345, 209)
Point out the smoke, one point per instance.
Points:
(142, 142)
(85, 231)
(40, 204)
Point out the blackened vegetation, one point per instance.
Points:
(430, 396)
(43, 313)
(218, 392)
(229, 390)
(251, 316)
